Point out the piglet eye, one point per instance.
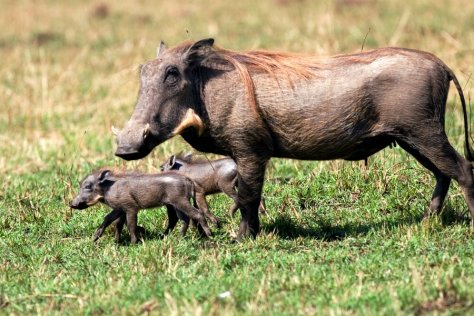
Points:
(171, 75)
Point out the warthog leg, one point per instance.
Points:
(119, 226)
(194, 214)
(132, 225)
(442, 181)
(173, 216)
(251, 173)
(228, 187)
(202, 205)
(433, 149)
(172, 219)
(108, 219)
(185, 220)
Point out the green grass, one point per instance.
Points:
(339, 237)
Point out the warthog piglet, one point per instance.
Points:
(127, 192)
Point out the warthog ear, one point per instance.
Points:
(172, 161)
(160, 49)
(105, 176)
(202, 53)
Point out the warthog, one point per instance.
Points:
(128, 192)
(259, 104)
(209, 176)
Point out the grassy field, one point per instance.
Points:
(339, 237)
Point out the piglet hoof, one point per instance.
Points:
(204, 230)
(134, 241)
(214, 220)
(97, 235)
(261, 208)
(233, 209)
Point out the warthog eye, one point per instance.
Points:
(171, 75)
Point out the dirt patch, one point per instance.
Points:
(446, 300)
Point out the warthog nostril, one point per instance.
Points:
(76, 205)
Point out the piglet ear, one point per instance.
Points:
(105, 175)
(188, 156)
(172, 161)
(160, 49)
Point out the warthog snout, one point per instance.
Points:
(78, 205)
(132, 142)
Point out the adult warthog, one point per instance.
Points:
(259, 104)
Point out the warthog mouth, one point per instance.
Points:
(85, 204)
(78, 206)
(131, 154)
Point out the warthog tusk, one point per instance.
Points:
(146, 130)
(94, 201)
(191, 119)
(115, 131)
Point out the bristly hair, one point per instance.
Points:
(119, 173)
(277, 64)
(284, 65)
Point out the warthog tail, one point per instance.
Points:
(467, 148)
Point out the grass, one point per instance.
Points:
(339, 237)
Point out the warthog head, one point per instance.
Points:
(176, 162)
(167, 100)
(92, 190)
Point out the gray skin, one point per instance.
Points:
(128, 192)
(209, 177)
(342, 107)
